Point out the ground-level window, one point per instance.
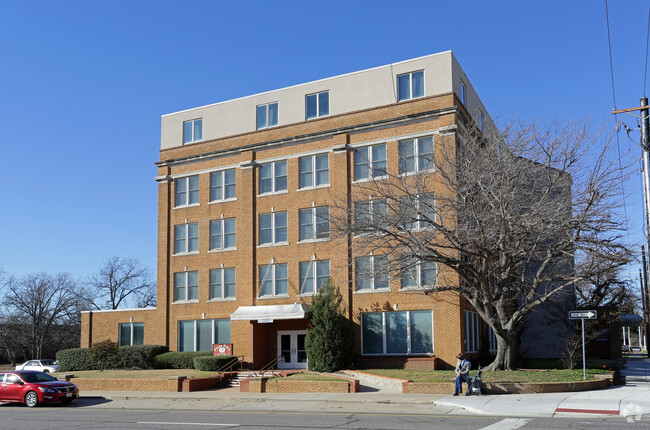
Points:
(131, 334)
(402, 333)
(200, 335)
(471, 332)
(492, 339)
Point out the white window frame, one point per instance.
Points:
(188, 191)
(274, 228)
(372, 205)
(222, 277)
(472, 338)
(271, 270)
(371, 162)
(274, 178)
(319, 114)
(313, 172)
(314, 224)
(186, 239)
(222, 232)
(374, 274)
(267, 117)
(193, 127)
(186, 299)
(420, 223)
(132, 328)
(224, 186)
(408, 336)
(313, 269)
(410, 95)
(414, 142)
(196, 330)
(418, 272)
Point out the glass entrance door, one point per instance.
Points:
(291, 345)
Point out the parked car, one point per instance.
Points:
(31, 388)
(41, 365)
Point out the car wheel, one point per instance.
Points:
(31, 399)
(46, 371)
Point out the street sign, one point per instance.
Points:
(583, 315)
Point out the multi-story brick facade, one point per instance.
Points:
(245, 191)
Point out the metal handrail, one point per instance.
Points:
(269, 366)
(229, 365)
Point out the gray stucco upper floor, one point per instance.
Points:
(346, 93)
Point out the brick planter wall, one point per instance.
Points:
(115, 384)
(265, 385)
(199, 384)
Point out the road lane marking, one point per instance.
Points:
(186, 424)
(507, 424)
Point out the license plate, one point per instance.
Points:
(68, 394)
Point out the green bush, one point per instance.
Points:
(212, 363)
(178, 360)
(75, 359)
(138, 356)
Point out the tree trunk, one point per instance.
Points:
(506, 354)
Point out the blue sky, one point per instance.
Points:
(83, 85)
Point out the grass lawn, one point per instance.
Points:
(138, 374)
(496, 376)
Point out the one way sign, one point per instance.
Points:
(582, 315)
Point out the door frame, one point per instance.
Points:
(293, 364)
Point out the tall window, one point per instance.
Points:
(186, 191)
(371, 272)
(186, 286)
(186, 238)
(273, 279)
(368, 214)
(273, 228)
(313, 274)
(131, 334)
(419, 275)
(462, 93)
(370, 162)
(410, 85)
(403, 333)
(192, 131)
(313, 171)
(480, 120)
(267, 115)
(416, 155)
(471, 332)
(223, 233)
(317, 104)
(222, 185)
(314, 223)
(200, 335)
(222, 283)
(273, 177)
(492, 341)
(418, 211)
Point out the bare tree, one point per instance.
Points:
(38, 303)
(510, 219)
(120, 282)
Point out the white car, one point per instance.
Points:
(43, 365)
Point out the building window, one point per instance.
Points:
(402, 333)
(186, 286)
(223, 234)
(416, 155)
(273, 279)
(410, 85)
(273, 177)
(222, 283)
(267, 115)
(317, 104)
(313, 171)
(370, 162)
(371, 272)
(131, 334)
(462, 93)
(369, 214)
(186, 191)
(480, 120)
(192, 131)
(311, 282)
(222, 185)
(492, 341)
(471, 332)
(419, 275)
(200, 335)
(273, 228)
(186, 238)
(418, 211)
(314, 223)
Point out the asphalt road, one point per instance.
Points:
(138, 414)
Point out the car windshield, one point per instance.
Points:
(47, 362)
(37, 377)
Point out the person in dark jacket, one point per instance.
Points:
(462, 373)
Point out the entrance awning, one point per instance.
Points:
(270, 313)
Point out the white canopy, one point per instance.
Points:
(273, 312)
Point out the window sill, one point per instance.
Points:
(378, 290)
(214, 202)
(184, 302)
(406, 174)
(187, 206)
(325, 239)
(274, 193)
(378, 178)
(317, 187)
(226, 299)
(418, 288)
(283, 296)
(270, 245)
(213, 251)
(185, 254)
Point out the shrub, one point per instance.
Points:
(104, 351)
(178, 359)
(212, 363)
(74, 359)
(138, 356)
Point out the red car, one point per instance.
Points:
(31, 388)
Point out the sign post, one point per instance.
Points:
(583, 315)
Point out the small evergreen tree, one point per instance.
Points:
(103, 351)
(329, 340)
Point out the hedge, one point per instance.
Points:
(178, 360)
(212, 363)
(128, 357)
(75, 359)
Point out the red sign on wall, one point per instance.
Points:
(222, 349)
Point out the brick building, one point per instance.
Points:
(245, 189)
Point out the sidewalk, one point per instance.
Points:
(631, 400)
